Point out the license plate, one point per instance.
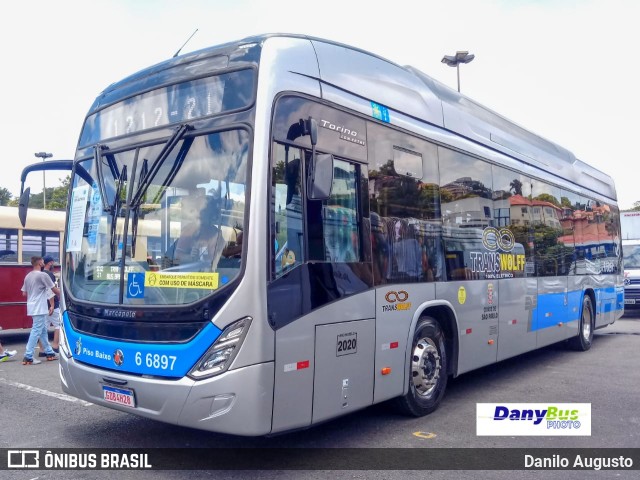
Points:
(119, 396)
(629, 301)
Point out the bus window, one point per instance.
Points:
(40, 243)
(339, 216)
(467, 206)
(553, 257)
(404, 199)
(287, 204)
(8, 245)
(199, 189)
(512, 211)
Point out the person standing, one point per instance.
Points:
(53, 319)
(38, 288)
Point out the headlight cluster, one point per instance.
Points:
(219, 357)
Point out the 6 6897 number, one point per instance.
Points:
(155, 361)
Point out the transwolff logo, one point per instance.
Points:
(532, 419)
(78, 346)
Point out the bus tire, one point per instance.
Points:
(582, 342)
(427, 370)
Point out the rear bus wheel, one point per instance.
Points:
(427, 370)
(582, 342)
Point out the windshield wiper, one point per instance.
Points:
(113, 167)
(177, 164)
(144, 171)
(162, 156)
(97, 158)
(117, 202)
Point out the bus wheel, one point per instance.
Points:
(582, 341)
(427, 370)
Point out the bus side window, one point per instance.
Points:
(407, 252)
(340, 234)
(9, 245)
(379, 247)
(340, 225)
(287, 227)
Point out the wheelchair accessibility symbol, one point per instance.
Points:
(135, 285)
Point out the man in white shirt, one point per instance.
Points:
(38, 288)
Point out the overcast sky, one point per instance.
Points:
(563, 69)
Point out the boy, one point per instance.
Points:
(37, 287)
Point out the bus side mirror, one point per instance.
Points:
(23, 206)
(313, 130)
(321, 177)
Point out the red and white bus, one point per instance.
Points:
(41, 236)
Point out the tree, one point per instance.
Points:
(5, 196)
(516, 187)
(547, 197)
(56, 197)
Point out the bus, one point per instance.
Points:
(332, 231)
(42, 235)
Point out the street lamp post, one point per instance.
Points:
(456, 60)
(44, 156)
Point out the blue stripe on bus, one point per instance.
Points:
(158, 359)
(554, 310)
(551, 308)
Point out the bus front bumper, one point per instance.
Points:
(237, 402)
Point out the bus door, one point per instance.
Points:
(320, 301)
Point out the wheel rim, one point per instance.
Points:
(586, 324)
(425, 367)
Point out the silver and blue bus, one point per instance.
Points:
(277, 231)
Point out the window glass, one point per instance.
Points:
(512, 221)
(407, 163)
(339, 216)
(552, 256)
(576, 230)
(183, 236)
(405, 209)
(609, 259)
(8, 245)
(333, 233)
(287, 202)
(466, 192)
(40, 243)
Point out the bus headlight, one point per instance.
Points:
(221, 354)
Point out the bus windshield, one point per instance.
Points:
(154, 227)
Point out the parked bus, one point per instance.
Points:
(387, 233)
(42, 235)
